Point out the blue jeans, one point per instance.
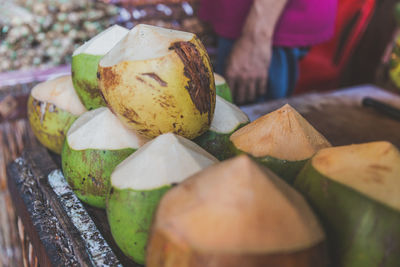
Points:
(283, 71)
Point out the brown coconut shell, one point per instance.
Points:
(235, 213)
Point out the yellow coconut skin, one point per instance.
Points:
(49, 123)
(173, 93)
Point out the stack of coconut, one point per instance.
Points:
(148, 152)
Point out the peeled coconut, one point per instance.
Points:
(355, 190)
(139, 182)
(281, 140)
(52, 107)
(235, 213)
(222, 88)
(227, 119)
(85, 60)
(95, 144)
(158, 81)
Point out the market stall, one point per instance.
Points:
(117, 158)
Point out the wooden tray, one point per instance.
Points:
(65, 232)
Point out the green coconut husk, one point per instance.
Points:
(354, 190)
(281, 140)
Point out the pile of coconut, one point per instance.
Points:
(142, 125)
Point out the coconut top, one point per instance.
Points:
(144, 42)
(102, 43)
(101, 129)
(227, 116)
(372, 169)
(219, 80)
(282, 134)
(237, 206)
(165, 160)
(61, 93)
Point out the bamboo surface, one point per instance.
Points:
(15, 248)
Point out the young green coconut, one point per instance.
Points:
(235, 214)
(52, 107)
(140, 181)
(281, 140)
(158, 81)
(356, 192)
(85, 60)
(227, 119)
(95, 144)
(222, 88)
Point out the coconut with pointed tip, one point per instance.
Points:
(222, 88)
(52, 107)
(281, 140)
(227, 119)
(139, 182)
(355, 190)
(235, 213)
(85, 60)
(95, 144)
(158, 81)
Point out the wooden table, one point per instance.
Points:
(63, 232)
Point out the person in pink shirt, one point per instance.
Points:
(261, 41)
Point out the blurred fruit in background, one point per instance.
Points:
(44, 33)
(394, 71)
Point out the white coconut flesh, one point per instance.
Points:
(101, 129)
(372, 169)
(219, 80)
(282, 134)
(103, 42)
(227, 117)
(237, 207)
(144, 42)
(165, 160)
(61, 93)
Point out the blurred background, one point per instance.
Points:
(41, 34)
(44, 33)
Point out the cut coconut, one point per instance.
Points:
(61, 93)
(96, 143)
(284, 134)
(145, 42)
(85, 62)
(176, 158)
(102, 43)
(222, 87)
(283, 140)
(52, 107)
(227, 119)
(101, 129)
(140, 181)
(219, 80)
(373, 169)
(356, 191)
(235, 214)
(158, 81)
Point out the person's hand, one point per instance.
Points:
(247, 69)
